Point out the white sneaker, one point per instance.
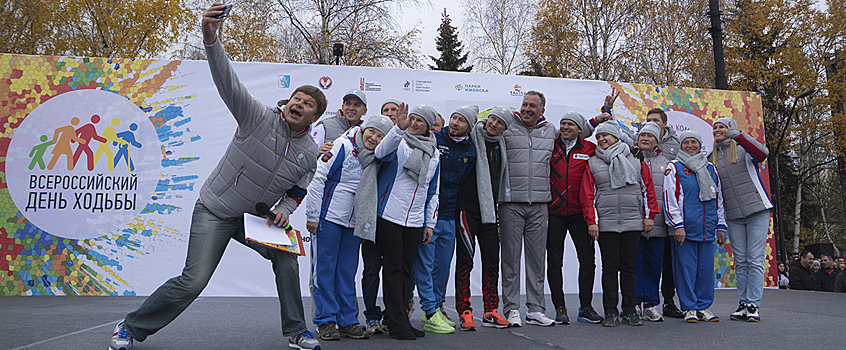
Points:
(514, 318)
(651, 314)
(752, 313)
(539, 319)
(690, 316)
(707, 316)
(121, 339)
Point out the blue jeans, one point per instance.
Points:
(748, 238)
(431, 265)
(206, 243)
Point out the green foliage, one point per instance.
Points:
(447, 43)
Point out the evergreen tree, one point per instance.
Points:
(447, 43)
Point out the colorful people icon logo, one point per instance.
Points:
(37, 153)
(87, 132)
(62, 137)
(123, 151)
(110, 137)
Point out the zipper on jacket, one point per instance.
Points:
(529, 164)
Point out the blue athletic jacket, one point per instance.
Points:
(458, 159)
(682, 207)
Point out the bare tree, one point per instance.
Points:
(497, 32)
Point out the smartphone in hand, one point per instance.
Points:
(225, 11)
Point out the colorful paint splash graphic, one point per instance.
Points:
(710, 105)
(34, 262)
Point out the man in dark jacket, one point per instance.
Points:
(827, 273)
(800, 274)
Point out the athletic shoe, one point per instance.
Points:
(611, 320)
(493, 319)
(752, 314)
(639, 310)
(561, 315)
(514, 318)
(670, 310)
(328, 331)
(651, 314)
(631, 320)
(304, 341)
(121, 339)
(417, 333)
(691, 317)
(740, 313)
(707, 316)
(410, 308)
(538, 318)
(589, 315)
(353, 331)
(448, 320)
(436, 324)
(374, 327)
(466, 319)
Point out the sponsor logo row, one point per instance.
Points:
(325, 83)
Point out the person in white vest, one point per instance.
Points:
(523, 211)
(267, 138)
(352, 109)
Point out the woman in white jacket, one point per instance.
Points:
(408, 205)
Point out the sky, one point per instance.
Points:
(428, 16)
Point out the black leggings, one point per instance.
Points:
(399, 247)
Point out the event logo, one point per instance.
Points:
(365, 86)
(459, 87)
(518, 91)
(325, 82)
(284, 81)
(472, 88)
(83, 164)
(406, 86)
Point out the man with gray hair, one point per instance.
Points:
(523, 210)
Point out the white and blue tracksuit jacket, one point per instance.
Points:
(682, 207)
(331, 194)
(401, 199)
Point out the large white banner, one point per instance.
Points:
(104, 159)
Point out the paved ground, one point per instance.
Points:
(791, 319)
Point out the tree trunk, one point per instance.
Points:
(798, 222)
(825, 229)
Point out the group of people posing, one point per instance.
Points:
(396, 192)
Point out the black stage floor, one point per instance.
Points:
(790, 319)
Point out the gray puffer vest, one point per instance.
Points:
(669, 143)
(743, 192)
(617, 210)
(529, 151)
(334, 127)
(657, 165)
(264, 160)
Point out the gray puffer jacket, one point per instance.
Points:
(743, 191)
(669, 143)
(264, 161)
(529, 150)
(657, 165)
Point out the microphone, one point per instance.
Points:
(264, 210)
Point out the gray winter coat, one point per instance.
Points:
(670, 143)
(743, 191)
(529, 150)
(265, 159)
(617, 210)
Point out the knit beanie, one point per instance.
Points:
(379, 122)
(691, 133)
(576, 118)
(390, 100)
(608, 128)
(504, 113)
(651, 129)
(357, 93)
(427, 112)
(469, 113)
(728, 122)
